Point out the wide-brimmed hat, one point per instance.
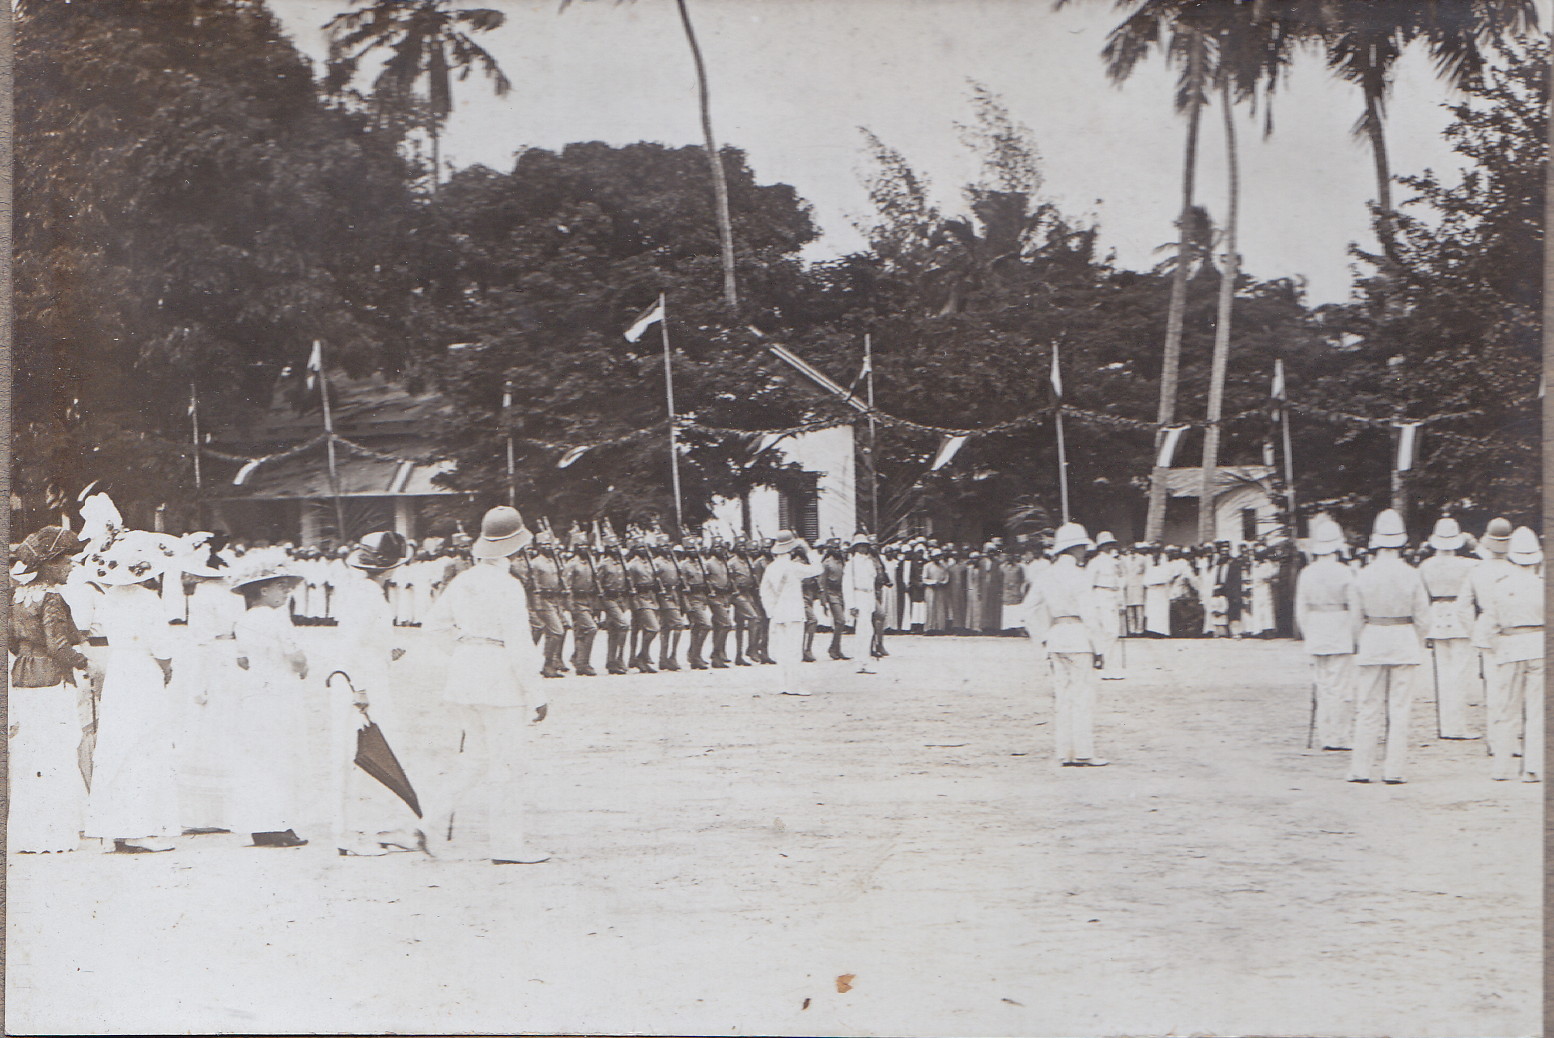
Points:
(785, 543)
(502, 533)
(1447, 535)
(46, 545)
(1525, 550)
(1497, 537)
(1070, 535)
(1388, 531)
(1325, 537)
(133, 557)
(261, 574)
(203, 557)
(383, 549)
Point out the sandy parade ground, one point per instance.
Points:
(897, 854)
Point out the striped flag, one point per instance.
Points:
(645, 320)
(948, 447)
(1173, 434)
(315, 363)
(1408, 444)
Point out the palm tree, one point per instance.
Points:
(426, 40)
(1365, 38)
(1227, 290)
(719, 181)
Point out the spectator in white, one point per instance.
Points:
(1396, 608)
(205, 682)
(782, 596)
(1062, 615)
(1160, 576)
(862, 581)
(133, 806)
(367, 819)
(1445, 574)
(493, 669)
(1327, 615)
(1514, 606)
(1106, 574)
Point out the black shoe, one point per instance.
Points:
(769, 662)
(740, 661)
(668, 664)
(645, 667)
(720, 665)
(285, 839)
(698, 665)
(617, 670)
(809, 657)
(587, 672)
(835, 656)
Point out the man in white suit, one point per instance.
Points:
(782, 596)
(1061, 613)
(1327, 612)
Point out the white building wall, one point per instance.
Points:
(826, 452)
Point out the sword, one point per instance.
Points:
(1311, 726)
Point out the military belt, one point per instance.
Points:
(1443, 598)
(1328, 607)
(1389, 621)
(1523, 629)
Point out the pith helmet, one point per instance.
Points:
(1524, 547)
(502, 533)
(1447, 535)
(1388, 531)
(1070, 535)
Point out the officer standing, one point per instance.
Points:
(1327, 612)
(1514, 606)
(1445, 573)
(833, 575)
(1106, 576)
(1396, 609)
(1062, 615)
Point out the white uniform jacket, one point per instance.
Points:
(782, 588)
(1514, 606)
(1327, 607)
(1397, 614)
(1061, 608)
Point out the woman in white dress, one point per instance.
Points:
(133, 807)
(269, 713)
(1159, 576)
(204, 678)
(48, 796)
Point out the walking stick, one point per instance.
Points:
(1435, 671)
(1311, 726)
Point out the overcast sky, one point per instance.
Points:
(793, 80)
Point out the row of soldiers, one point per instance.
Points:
(647, 591)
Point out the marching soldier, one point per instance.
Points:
(671, 596)
(698, 611)
(812, 602)
(644, 606)
(759, 557)
(547, 601)
(1444, 574)
(582, 582)
(720, 600)
(833, 574)
(742, 576)
(615, 599)
(1396, 609)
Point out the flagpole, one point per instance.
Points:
(507, 424)
(874, 471)
(1057, 415)
(199, 483)
(674, 436)
(329, 443)
(1289, 468)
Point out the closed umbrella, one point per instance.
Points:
(376, 757)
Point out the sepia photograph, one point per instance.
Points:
(924, 518)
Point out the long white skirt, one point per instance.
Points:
(134, 795)
(204, 775)
(1157, 609)
(267, 748)
(48, 796)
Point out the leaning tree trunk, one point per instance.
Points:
(1227, 292)
(1386, 233)
(719, 181)
(1172, 361)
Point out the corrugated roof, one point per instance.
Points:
(306, 477)
(1187, 482)
(362, 408)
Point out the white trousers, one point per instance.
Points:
(1516, 717)
(1384, 695)
(1334, 677)
(1075, 682)
(1455, 673)
(1109, 604)
(787, 648)
(483, 800)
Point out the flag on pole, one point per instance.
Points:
(244, 472)
(1173, 434)
(645, 320)
(947, 450)
(315, 363)
(1056, 378)
(572, 454)
(1408, 441)
(1278, 380)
